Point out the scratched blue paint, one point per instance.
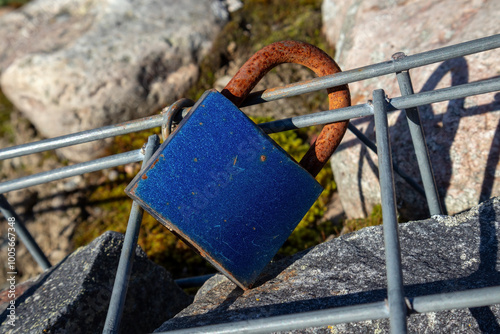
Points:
(225, 187)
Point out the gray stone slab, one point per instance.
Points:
(441, 254)
(73, 296)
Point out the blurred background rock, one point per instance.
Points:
(75, 65)
(72, 65)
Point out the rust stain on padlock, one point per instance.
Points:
(154, 163)
(322, 64)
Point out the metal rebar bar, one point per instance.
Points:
(82, 137)
(119, 294)
(456, 300)
(302, 320)
(375, 70)
(397, 103)
(395, 291)
(445, 94)
(73, 170)
(192, 282)
(371, 145)
(421, 304)
(328, 116)
(23, 233)
(319, 118)
(272, 94)
(419, 144)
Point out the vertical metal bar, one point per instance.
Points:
(419, 144)
(395, 293)
(371, 145)
(117, 302)
(24, 234)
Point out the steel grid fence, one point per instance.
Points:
(397, 308)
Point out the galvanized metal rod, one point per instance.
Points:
(420, 146)
(328, 116)
(445, 94)
(318, 118)
(119, 294)
(358, 74)
(192, 282)
(397, 103)
(82, 137)
(23, 233)
(456, 300)
(371, 145)
(295, 321)
(324, 117)
(375, 70)
(421, 304)
(395, 291)
(73, 170)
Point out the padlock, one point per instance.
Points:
(224, 186)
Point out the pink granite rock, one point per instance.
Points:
(463, 136)
(76, 65)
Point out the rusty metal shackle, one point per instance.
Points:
(170, 112)
(315, 59)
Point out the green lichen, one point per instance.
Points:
(13, 3)
(375, 218)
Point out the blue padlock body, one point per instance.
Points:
(226, 188)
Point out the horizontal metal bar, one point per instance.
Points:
(272, 94)
(456, 300)
(445, 94)
(73, 170)
(397, 103)
(375, 70)
(192, 282)
(422, 304)
(81, 137)
(318, 118)
(296, 321)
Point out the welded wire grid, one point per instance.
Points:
(397, 307)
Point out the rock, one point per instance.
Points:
(18, 289)
(439, 255)
(5, 10)
(210, 284)
(233, 5)
(76, 65)
(73, 296)
(462, 135)
(51, 217)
